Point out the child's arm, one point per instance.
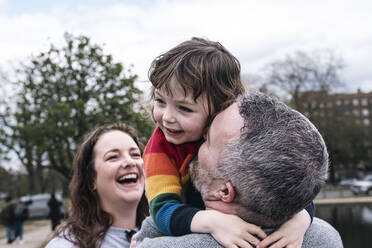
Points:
(163, 183)
(163, 192)
(228, 230)
(290, 234)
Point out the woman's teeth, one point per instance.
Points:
(128, 178)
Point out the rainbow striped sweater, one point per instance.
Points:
(166, 171)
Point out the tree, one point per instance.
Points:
(306, 80)
(12, 182)
(302, 72)
(255, 82)
(345, 138)
(62, 94)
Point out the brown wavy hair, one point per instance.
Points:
(200, 66)
(88, 223)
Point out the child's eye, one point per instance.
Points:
(159, 100)
(185, 109)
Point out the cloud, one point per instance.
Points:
(256, 32)
(2, 4)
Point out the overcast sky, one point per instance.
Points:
(136, 31)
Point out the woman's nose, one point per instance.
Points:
(128, 162)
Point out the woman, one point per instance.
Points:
(106, 190)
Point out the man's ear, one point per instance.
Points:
(227, 193)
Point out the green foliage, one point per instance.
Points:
(5, 180)
(64, 93)
(302, 72)
(13, 183)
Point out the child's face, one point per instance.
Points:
(178, 116)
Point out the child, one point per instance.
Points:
(192, 83)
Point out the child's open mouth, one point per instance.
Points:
(173, 131)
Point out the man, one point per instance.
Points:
(261, 161)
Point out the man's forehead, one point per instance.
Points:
(228, 123)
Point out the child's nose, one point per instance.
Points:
(168, 116)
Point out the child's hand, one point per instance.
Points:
(232, 231)
(133, 241)
(228, 230)
(290, 234)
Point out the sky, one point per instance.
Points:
(136, 31)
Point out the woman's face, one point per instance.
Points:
(119, 167)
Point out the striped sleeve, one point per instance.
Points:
(165, 171)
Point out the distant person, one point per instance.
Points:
(55, 213)
(20, 215)
(7, 218)
(107, 191)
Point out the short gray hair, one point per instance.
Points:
(277, 165)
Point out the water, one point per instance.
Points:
(352, 221)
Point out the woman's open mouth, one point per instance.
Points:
(128, 178)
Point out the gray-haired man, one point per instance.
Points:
(261, 161)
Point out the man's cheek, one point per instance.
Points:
(201, 155)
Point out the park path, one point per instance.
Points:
(31, 239)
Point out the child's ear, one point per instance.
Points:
(227, 193)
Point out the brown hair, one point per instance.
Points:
(200, 66)
(88, 222)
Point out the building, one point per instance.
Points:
(350, 108)
(345, 121)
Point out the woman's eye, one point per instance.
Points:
(112, 157)
(185, 109)
(136, 155)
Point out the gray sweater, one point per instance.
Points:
(115, 237)
(320, 234)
